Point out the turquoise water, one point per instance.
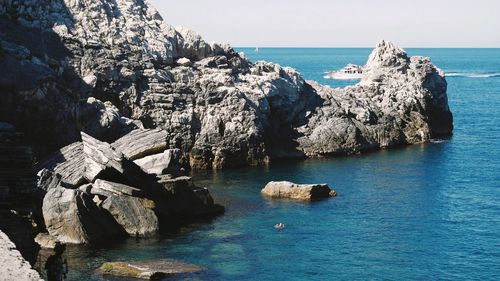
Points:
(422, 212)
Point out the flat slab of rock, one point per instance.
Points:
(141, 143)
(290, 190)
(148, 269)
(106, 188)
(166, 162)
(69, 162)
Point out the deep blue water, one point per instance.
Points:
(422, 212)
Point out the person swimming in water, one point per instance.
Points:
(279, 225)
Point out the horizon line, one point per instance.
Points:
(347, 47)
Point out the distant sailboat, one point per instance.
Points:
(256, 49)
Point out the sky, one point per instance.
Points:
(336, 23)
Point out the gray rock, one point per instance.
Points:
(14, 266)
(222, 111)
(167, 162)
(72, 217)
(184, 62)
(68, 163)
(135, 215)
(141, 143)
(148, 269)
(103, 187)
(46, 241)
(102, 161)
(181, 197)
(102, 120)
(290, 190)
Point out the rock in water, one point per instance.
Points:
(290, 190)
(110, 195)
(148, 269)
(131, 213)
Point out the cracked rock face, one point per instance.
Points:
(120, 66)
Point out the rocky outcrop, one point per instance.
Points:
(14, 266)
(400, 100)
(99, 192)
(109, 66)
(148, 269)
(290, 190)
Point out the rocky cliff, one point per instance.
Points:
(109, 66)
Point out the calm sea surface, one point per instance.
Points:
(422, 212)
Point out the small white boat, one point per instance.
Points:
(349, 72)
(256, 49)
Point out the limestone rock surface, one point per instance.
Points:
(290, 190)
(133, 214)
(167, 162)
(13, 265)
(148, 269)
(99, 193)
(107, 67)
(72, 217)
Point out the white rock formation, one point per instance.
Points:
(13, 265)
(219, 109)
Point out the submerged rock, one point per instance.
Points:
(290, 190)
(148, 269)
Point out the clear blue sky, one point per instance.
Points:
(336, 23)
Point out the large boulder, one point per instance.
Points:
(141, 143)
(135, 215)
(72, 217)
(290, 190)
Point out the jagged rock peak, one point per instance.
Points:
(134, 24)
(387, 54)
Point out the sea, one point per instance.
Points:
(421, 212)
